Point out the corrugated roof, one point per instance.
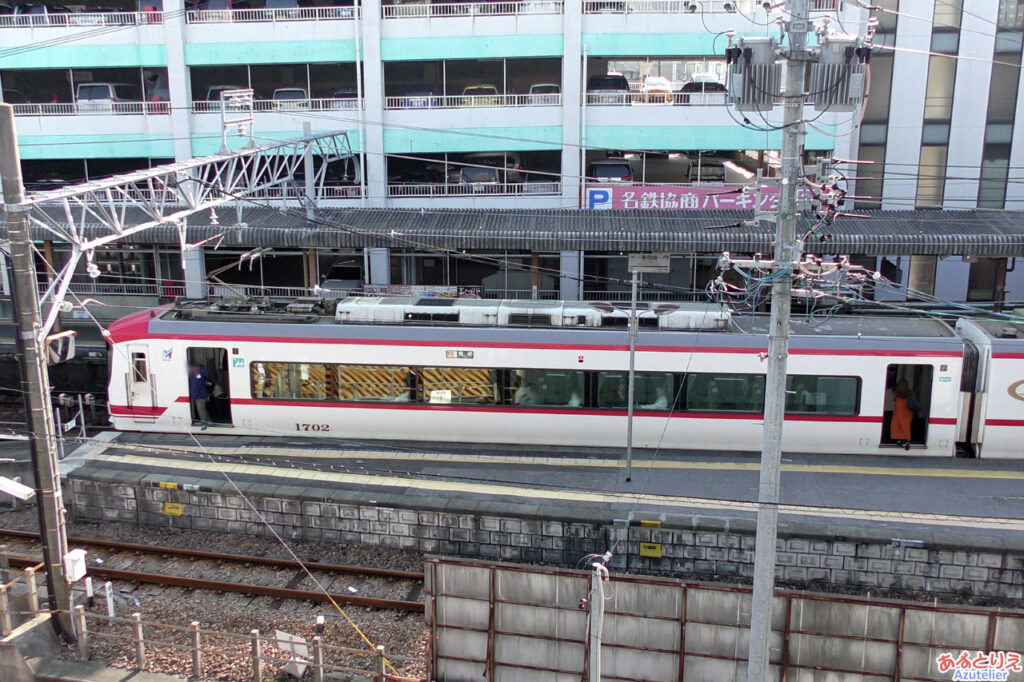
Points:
(894, 233)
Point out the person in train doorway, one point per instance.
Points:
(199, 387)
(904, 406)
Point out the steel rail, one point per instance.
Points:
(235, 558)
(218, 586)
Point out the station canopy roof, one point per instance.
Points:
(879, 233)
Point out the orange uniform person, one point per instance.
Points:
(902, 415)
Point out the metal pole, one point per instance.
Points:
(307, 168)
(786, 252)
(596, 623)
(35, 382)
(629, 393)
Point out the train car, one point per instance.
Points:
(993, 416)
(551, 373)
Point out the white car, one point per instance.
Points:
(657, 90)
(108, 98)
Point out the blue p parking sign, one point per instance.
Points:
(599, 199)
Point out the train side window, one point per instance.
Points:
(651, 390)
(376, 383)
(822, 395)
(140, 373)
(725, 393)
(467, 384)
(547, 387)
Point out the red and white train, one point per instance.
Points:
(554, 373)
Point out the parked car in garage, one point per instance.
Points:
(416, 96)
(345, 98)
(97, 98)
(483, 95)
(544, 93)
(291, 98)
(509, 166)
(609, 170)
(612, 88)
(701, 89)
(345, 275)
(657, 90)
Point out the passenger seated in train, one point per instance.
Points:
(660, 400)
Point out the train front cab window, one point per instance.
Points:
(215, 362)
(908, 394)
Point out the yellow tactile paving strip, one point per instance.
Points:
(638, 464)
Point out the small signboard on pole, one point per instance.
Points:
(658, 263)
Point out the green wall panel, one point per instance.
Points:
(283, 52)
(406, 141)
(730, 137)
(86, 56)
(471, 47)
(204, 145)
(95, 146)
(654, 44)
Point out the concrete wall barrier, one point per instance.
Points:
(698, 547)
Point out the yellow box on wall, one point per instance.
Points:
(176, 509)
(650, 549)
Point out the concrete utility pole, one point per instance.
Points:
(633, 324)
(35, 383)
(786, 253)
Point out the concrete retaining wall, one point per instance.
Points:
(708, 548)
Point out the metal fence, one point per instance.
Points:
(81, 19)
(462, 101)
(475, 189)
(266, 656)
(505, 621)
(92, 108)
(263, 105)
(656, 98)
(470, 9)
(262, 15)
(696, 7)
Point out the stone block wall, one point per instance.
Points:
(705, 549)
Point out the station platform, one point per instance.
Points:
(890, 505)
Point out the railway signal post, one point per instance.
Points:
(35, 382)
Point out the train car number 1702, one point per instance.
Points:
(312, 427)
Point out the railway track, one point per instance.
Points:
(108, 573)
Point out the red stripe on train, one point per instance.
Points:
(534, 346)
(938, 421)
(136, 411)
(1004, 422)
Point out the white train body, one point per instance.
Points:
(466, 371)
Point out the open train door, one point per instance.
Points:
(215, 362)
(140, 385)
(916, 382)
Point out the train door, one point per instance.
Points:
(215, 362)
(908, 396)
(140, 384)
